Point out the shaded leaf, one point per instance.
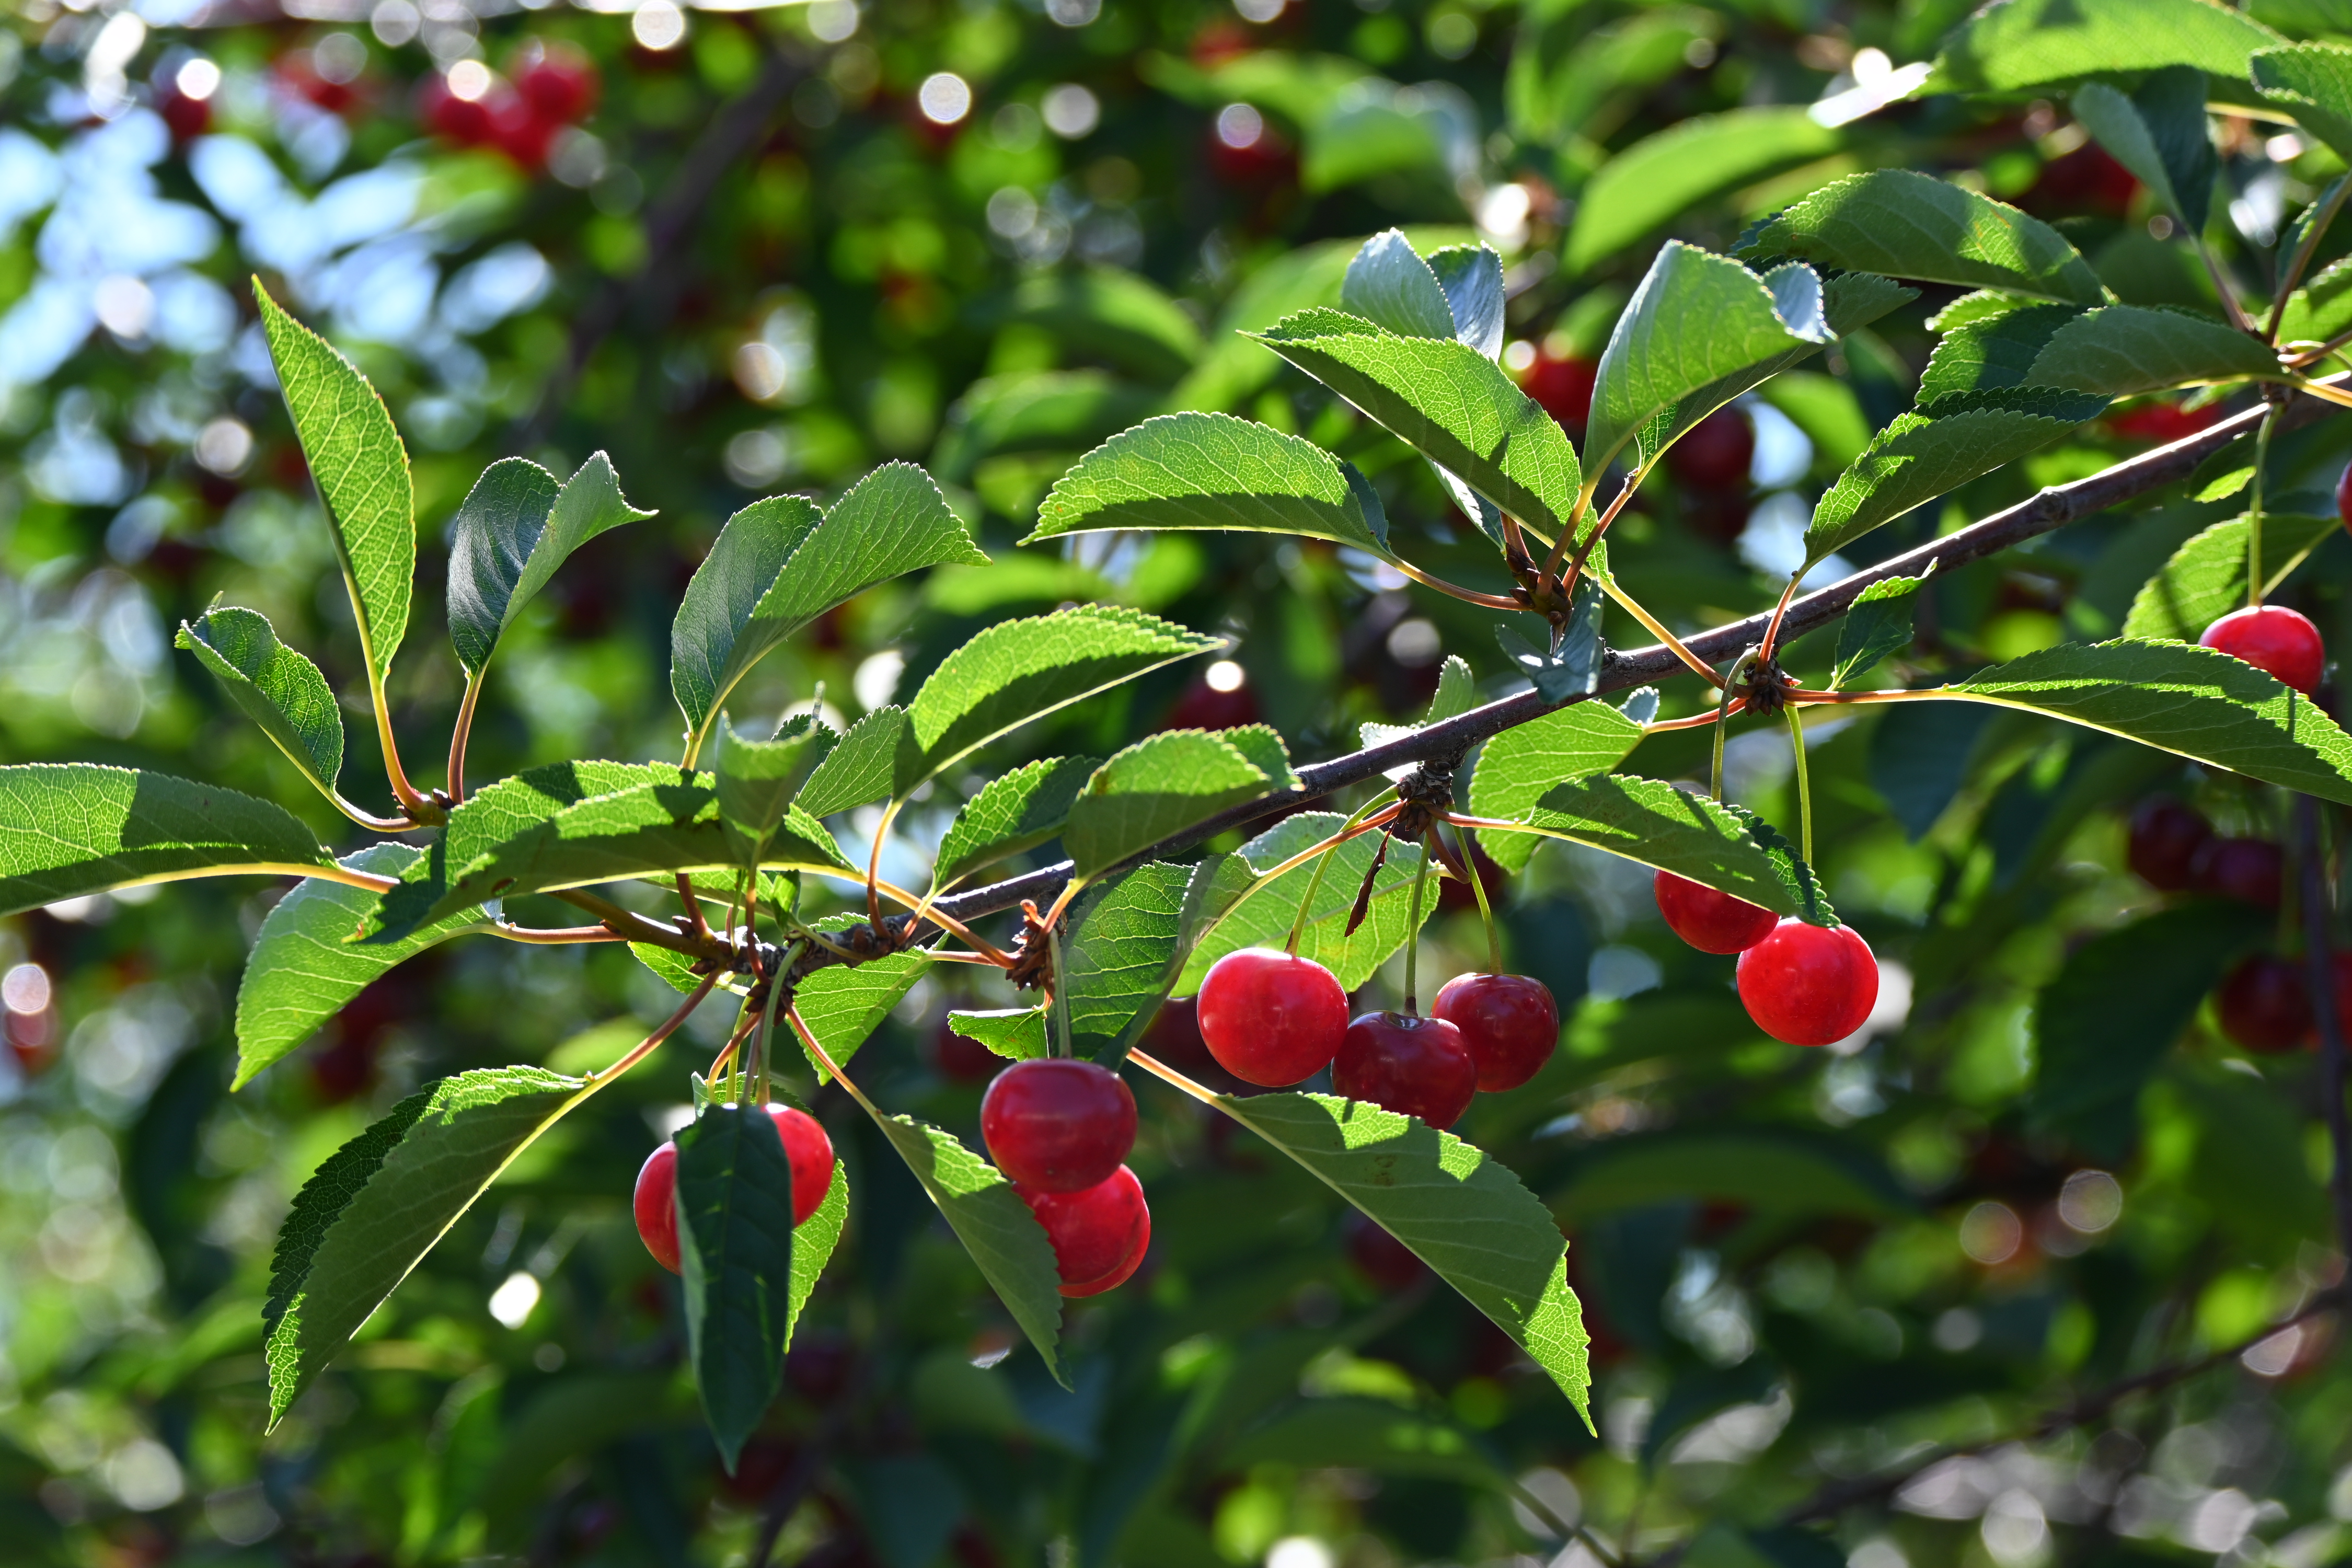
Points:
(1013, 811)
(735, 1254)
(2206, 578)
(2159, 134)
(1520, 766)
(2321, 309)
(1122, 954)
(1456, 694)
(70, 829)
(2028, 43)
(2121, 349)
(1992, 351)
(275, 686)
(1651, 822)
(513, 529)
(1662, 176)
(1263, 918)
(1571, 669)
(1878, 626)
(1908, 224)
(758, 780)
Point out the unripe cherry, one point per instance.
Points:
(1100, 1233)
(1415, 1067)
(1057, 1124)
(2165, 836)
(654, 1202)
(1710, 921)
(1808, 985)
(2264, 1004)
(2273, 638)
(1271, 1018)
(1509, 1025)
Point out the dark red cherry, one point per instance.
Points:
(1808, 986)
(558, 82)
(2165, 838)
(1379, 1256)
(2274, 638)
(1709, 920)
(1057, 1124)
(1509, 1025)
(655, 1205)
(1415, 1067)
(961, 1059)
(1562, 387)
(806, 1149)
(2251, 870)
(1269, 1018)
(1100, 1233)
(2264, 1004)
(1714, 454)
(2344, 498)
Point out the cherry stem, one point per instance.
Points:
(461, 731)
(1804, 792)
(1061, 995)
(1412, 932)
(1693, 722)
(1478, 890)
(767, 1030)
(725, 1061)
(946, 923)
(1725, 707)
(1583, 550)
(2254, 509)
(1169, 1075)
(874, 869)
(635, 927)
(1454, 590)
(1772, 629)
(652, 1042)
(1355, 824)
(808, 1040)
(686, 895)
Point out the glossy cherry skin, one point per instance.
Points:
(1416, 1067)
(1100, 1233)
(2344, 498)
(2165, 836)
(2265, 1004)
(1709, 920)
(1269, 1018)
(2251, 870)
(1509, 1025)
(1057, 1124)
(806, 1149)
(1807, 986)
(2274, 638)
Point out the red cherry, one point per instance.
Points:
(1808, 985)
(1203, 707)
(520, 130)
(1709, 920)
(1380, 1257)
(2251, 870)
(2276, 640)
(559, 83)
(1100, 1233)
(2165, 836)
(1562, 387)
(960, 1060)
(2340, 971)
(1270, 1018)
(188, 118)
(464, 120)
(1714, 454)
(806, 1149)
(2264, 1004)
(1057, 1125)
(1509, 1025)
(2344, 498)
(1415, 1067)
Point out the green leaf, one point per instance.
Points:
(2030, 43)
(2315, 82)
(1045, 411)
(758, 779)
(1877, 625)
(1664, 175)
(1937, 448)
(1015, 811)
(1389, 285)
(1696, 320)
(1018, 1033)
(2114, 1010)
(2321, 309)
(2159, 134)
(844, 1003)
(70, 829)
(874, 761)
(1570, 669)
(276, 687)
(2122, 350)
(735, 1253)
(360, 469)
(1472, 277)
(814, 1240)
(1520, 766)
(304, 966)
(1111, 314)
(674, 969)
(1263, 918)
(780, 564)
(1908, 224)
(1214, 471)
(1160, 785)
(1460, 1210)
(1651, 822)
(1016, 671)
(1448, 402)
(378, 1204)
(2206, 577)
(1456, 694)
(994, 1225)
(1123, 953)
(2178, 698)
(514, 529)
(1992, 351)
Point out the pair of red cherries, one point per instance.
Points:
(806, 1148)
(1801, 983)
(1275, 1019)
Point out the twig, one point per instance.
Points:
(546, 937)
(635, 927)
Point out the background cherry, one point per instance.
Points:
(1271, 1018)
(1057, 1125)
(1100, 1233)
(2252, 870)
(1380, 1257)
(1416, 1067)
(2344, 498)
(2166, 836)
(1509, 1025)
(1808, 986)
(1709, 920)
(2274, 638)
(2264, 1004)
(1715, 453)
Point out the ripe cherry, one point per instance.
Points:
(1415, 1067)
(655, 1202)
(1562, 386)
(2274, 638)
(1808, 986)
(2252, 870)
(1057, 1124)
(1715, 453)
(2165, 836)
(2344, 498)
(1509, 1025)
(1100, 1233)
(1709, 920)
(2264, 1004)
(560, 83)
(1271, 1018)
